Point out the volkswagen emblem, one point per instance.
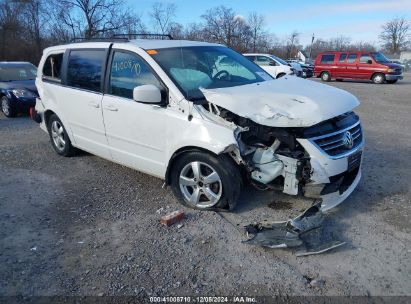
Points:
(348, 140)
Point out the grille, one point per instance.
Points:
(398, 71)
(338, 143)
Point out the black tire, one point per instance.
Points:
(392, 81)
(280, 75)
(325, 76)
(7, 107)
(54, 124)
(230, 182)
(378, 78)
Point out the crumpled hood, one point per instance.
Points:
(285, 102)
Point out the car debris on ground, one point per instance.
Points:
(301, 233)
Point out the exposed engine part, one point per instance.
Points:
(267, 165)
(267, 153)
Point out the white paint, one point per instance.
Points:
(284, 102)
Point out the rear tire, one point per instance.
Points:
(325, 76)
(59, 138)
(378, 78)
(392, 81)
(7, 108)
(206, 182)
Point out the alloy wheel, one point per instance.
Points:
(57, 133)
(200, 184)
(5, 106)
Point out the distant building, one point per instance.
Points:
(405, 56)
(303, 56)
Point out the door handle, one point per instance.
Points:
(111, 108)
(94, 104)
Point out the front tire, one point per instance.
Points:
(206, 182)
(378, 78)
(280, 75)
(325, 76)
(59, 138)
(7, 108)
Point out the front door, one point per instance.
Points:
(135, 131)
(268, 64)
(365, 66)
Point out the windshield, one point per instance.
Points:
(380, 58)
(13, 72)
(208, 67)
(279, 60)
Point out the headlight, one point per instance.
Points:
(390, 70)
(23, 93)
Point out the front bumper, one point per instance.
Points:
(332, 179)
(393, 77)
(23, 104)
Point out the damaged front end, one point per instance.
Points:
(315, 162)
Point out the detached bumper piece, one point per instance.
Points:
(303, 233)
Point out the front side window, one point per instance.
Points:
(208, 67)
(327, 59)
(352, 58)
(17, 71)
(85, 69)
(364, 58)
(342, 57)
(380, 58)
(52, 67)
(127, 72)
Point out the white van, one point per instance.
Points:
(273, 65)
(202, 117)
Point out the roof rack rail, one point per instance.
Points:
(83, 39)
(143, 36)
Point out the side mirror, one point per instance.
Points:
(369, 61)
(147, 93)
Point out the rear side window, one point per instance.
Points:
(327, 59)
(364, 58)
(127, 72)
(262, 60)
(352, 58)
(251, 58)
(52, 67)
(84, 69)
(342, 57)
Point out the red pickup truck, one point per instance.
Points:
(356, 65)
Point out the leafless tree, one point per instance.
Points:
(222, 25)
(256, 24)
(292, 41)
(395, 34)
(162, 16)
(95, 18)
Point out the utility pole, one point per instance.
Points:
(311, 47)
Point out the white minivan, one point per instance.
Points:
(273, 65)
(202, 117)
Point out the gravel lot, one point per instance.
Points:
(86, 226)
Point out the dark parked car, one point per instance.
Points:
(17, 89)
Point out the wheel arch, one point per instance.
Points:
(375, 73)
(180, 152)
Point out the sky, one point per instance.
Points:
(360, 20)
